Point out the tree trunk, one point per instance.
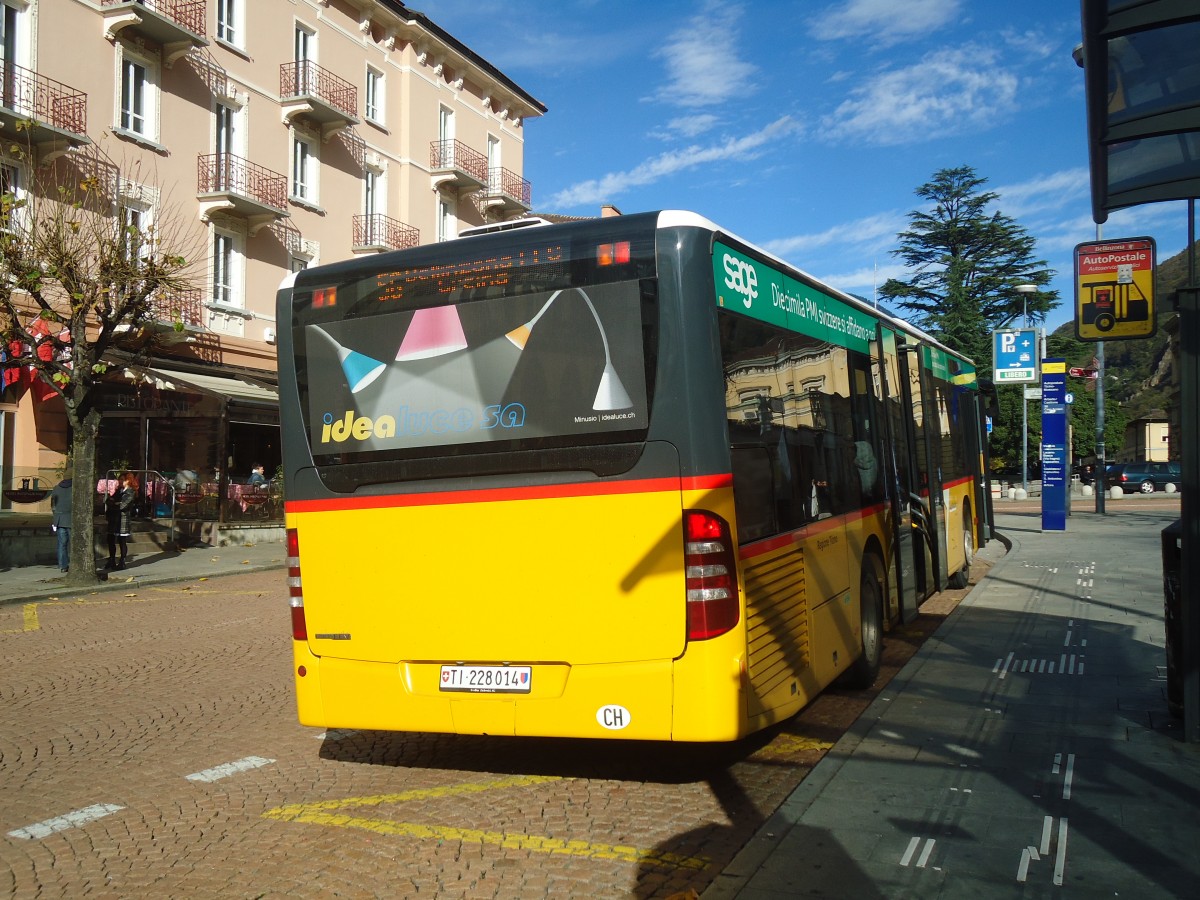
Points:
(83, 500)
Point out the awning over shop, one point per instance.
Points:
(227, 387)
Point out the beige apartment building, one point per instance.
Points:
(275, 135)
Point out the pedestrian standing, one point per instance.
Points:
(60, 508)
(118, 510)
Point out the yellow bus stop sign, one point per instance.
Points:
(1114, 290)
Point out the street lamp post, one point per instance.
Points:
(1025, 290)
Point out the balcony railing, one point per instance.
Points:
(456, 156)
(188, 14)
(179, 306)
(304, 78)
(225, 173)
(43, 99)
(506, 183)
(379, 231)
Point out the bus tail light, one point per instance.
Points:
(295, 590)
(711, 572)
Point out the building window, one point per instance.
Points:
(305, 52)
(135, 232)
(222, 279)
(372, 197)
(229, 21)
(446, 225)
(139, 78)
(304, 169)
(12, 184)
(374, 100)
(228, 265)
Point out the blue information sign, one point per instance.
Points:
(1015, 352)
(1056, 454)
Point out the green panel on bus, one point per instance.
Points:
(949, 368)
(748, 286)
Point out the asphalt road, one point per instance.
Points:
(149, 748)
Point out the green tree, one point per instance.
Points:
(965, 260)
(86, 283)
(965, 264)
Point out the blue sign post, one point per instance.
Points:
(1056, 454)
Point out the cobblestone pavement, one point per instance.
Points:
(149, 748)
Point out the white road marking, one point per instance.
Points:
(61, 823)
(1069, 776)
(1060, 860)
(912, 848)
(224, 771)
(336, 734)
(1047, 830)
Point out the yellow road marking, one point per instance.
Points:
(30, 610)
(328, 812)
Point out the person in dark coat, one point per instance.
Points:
(60, 507)
(118, 509)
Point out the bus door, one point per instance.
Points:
(928, 509)
(908, 540)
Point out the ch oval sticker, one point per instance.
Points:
(612, 717)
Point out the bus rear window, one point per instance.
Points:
(529, 370)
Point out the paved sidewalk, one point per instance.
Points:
(1025, 751)
(22, 583)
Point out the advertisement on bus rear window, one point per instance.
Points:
(568, 362)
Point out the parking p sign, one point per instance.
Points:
(1015, 351)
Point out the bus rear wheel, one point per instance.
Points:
(865, 670)
(962, 577)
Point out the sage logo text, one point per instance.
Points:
(742, 277)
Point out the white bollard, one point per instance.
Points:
(1116, 493)
(1012, 493)
(1170, 488)
(1022, 494)
(1087, 490)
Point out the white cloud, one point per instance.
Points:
(685, 127)
(690, 126)
(1046, 193)
(885, 22)
(868, 230)
(701, 67)
(865, 281)
(612, 185)
(948, 91)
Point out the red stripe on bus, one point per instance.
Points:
(502, 495)
(767, 545)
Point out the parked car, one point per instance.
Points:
(1146, 477)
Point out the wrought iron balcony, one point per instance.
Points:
(58, 113)
(305, 89)
(456, 165)
(507, 191)
(379, 232)
(229, 184)
(177, 25)
(186, 307)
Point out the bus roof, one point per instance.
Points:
(682, 218)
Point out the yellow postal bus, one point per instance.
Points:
(622, 478)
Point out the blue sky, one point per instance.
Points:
(806, 126)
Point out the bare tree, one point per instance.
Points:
(85, 277)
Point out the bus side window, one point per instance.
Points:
(753, 493)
